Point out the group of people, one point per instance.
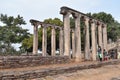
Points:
(103, 55)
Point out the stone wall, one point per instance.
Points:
(24, 61)
(31, 74)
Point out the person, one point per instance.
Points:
(99, 53)
(112, 54)
(104, 55)
(118, 56)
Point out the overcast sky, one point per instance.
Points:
(43, 9)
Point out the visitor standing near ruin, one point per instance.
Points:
(112, 54)
(105, 55)
(118, 55)
(99, 53)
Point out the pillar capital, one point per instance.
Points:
(93, 21)
(34, 22)
(53, 27)
(99, 23)
(86, 18)
(64, 11)
(87, 22)
(104, 25)
(76, 15)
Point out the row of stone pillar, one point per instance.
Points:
(64, 37)
(44, 38)
(77, 33)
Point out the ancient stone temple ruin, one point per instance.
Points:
(32, 67)
(98, 31)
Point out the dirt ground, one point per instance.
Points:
(109, 72)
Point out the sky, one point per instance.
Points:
(44, 9)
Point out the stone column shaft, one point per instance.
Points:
(66, 34)
(44, 41)
(53, 42)
(87, 40)
(35, 40)
(100, 36)
(61, 42)
(73, 44)
(105, 37)
(78, 39)
(94, 45)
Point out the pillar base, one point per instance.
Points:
(78, 59)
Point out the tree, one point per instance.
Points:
(11, 31)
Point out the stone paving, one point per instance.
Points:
(108, 72)
(71, 71)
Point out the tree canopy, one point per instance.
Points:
(11, 32)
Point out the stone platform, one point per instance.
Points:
(49, 70)
(7, 62)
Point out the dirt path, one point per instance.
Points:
(103, 73)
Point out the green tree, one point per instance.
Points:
(11, 31)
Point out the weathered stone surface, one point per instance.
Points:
(38, 73)
(24, 61)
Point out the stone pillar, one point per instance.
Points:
(44, 41)
(105, 37)
(78, 56)
(61, 42)
(66, 21)
(53, 41)
(73, 43)
(87, 40)
(93, 39)
(35, 39)
(100, 35)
